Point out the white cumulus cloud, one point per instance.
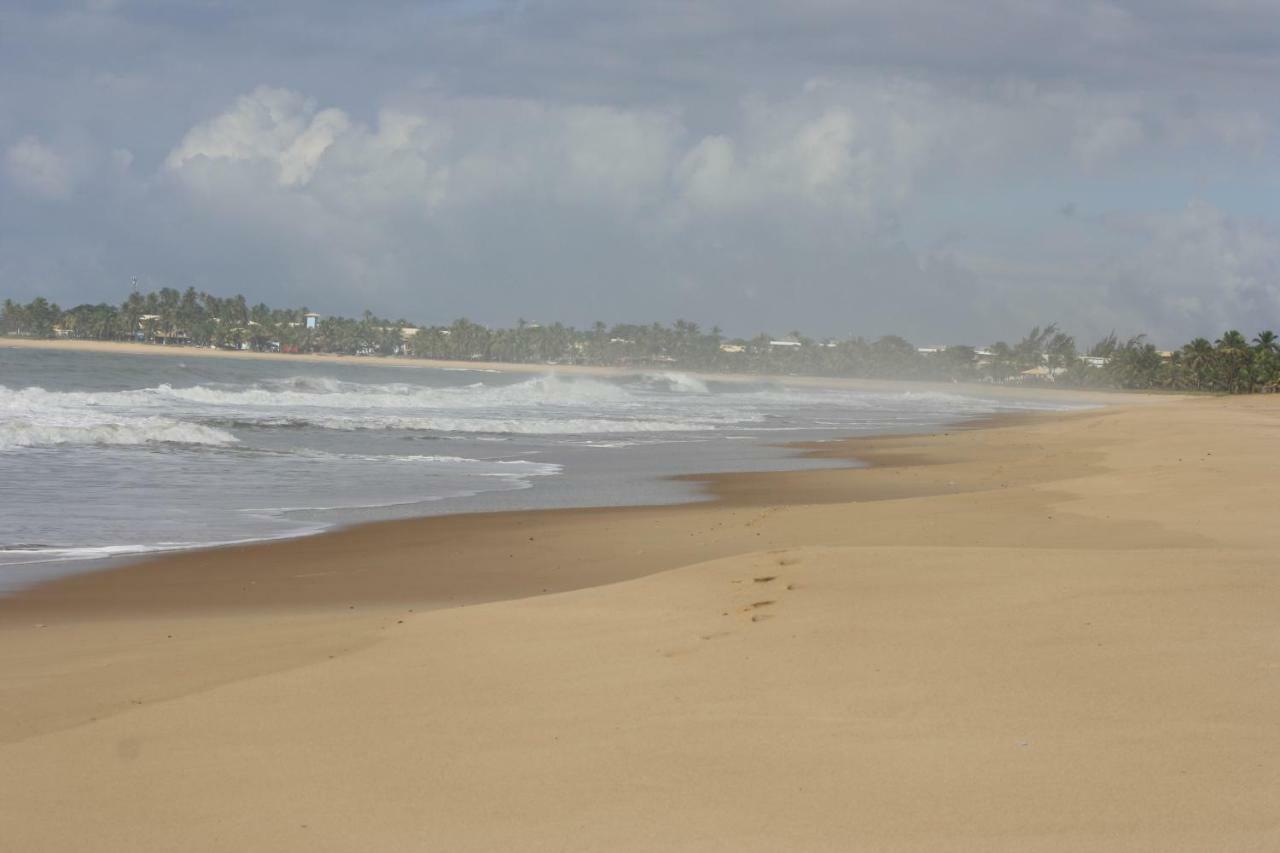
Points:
(270, 125)
(38, 170)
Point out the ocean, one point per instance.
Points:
(109, 456)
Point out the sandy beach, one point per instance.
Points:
(1047, 633)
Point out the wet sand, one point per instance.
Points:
(1055, 633)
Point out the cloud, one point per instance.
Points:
(1194, 270)
(819, 178)
(451, 151)
(1102, 140)
(707, 172)
(38, 170)
(866, 167)
(267, 125)
(1201, 270)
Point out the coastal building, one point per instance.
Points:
(310, 319)
(785, 344)
(1048, 374)
(732, 348)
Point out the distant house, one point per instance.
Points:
(1094, 360)
(1042, 372)
(785, 344)
(930, 350)
(732, 348)
(140, 333)
(310, 319)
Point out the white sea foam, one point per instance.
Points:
(489, 425)
(515, 468)
(20, 556)
(540, 406)
(680, 383)
(34, 417)
(546, 405)
(209, 444)
(549, 390)
(18, 433)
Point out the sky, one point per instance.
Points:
(954, 172)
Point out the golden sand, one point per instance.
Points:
(1052, 634)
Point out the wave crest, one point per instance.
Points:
(136, 431)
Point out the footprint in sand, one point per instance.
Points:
(756, 605)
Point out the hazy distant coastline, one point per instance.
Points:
(1045, 356)
(181, 351)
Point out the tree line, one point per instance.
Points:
(1046, 355)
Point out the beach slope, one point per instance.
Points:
(1057, 634)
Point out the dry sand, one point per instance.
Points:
(1053, 634)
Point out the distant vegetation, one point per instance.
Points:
(1046, 355)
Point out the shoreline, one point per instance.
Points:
(844, 449)
(131, 578)
(1052, 634)
(112, 562)
(992, 390)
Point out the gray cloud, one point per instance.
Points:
(844, 168)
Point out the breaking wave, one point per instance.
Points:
(327, 392)
(546, 405)
(34, 417)
(677, 383)
(138, 431)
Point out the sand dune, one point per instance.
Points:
(1053, 635)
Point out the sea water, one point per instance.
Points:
(111, 455)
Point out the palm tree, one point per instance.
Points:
(1060, 352)
(1236, 358)
(1201, 361)
(1136, 364)
(11, 318)
(1266, 358)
